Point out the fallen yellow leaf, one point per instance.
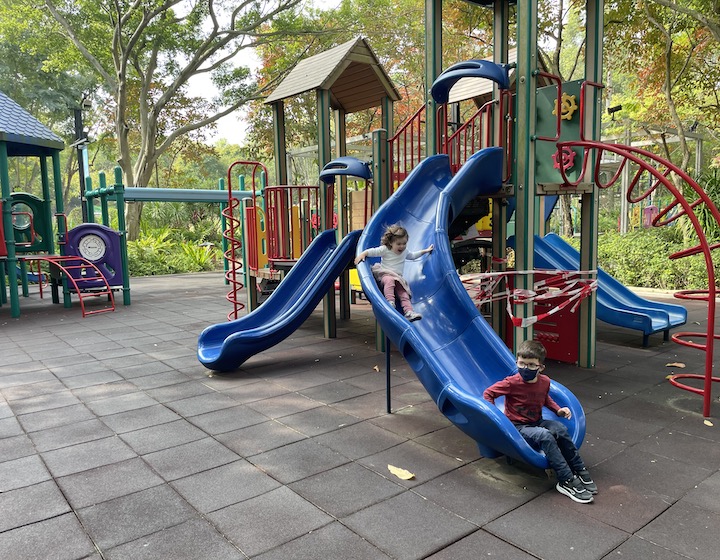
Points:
(675, 364)
(376, 368)
(708, 423)
(402, 474)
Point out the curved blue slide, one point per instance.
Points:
(225, 346)
(616, 304)
(454, 352)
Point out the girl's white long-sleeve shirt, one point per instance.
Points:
(393, 261)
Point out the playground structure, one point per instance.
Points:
(522, 149)
(28, 241)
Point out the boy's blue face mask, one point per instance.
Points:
(527, 374)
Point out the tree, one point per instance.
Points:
(146, 53)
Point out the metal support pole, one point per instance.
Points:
(388, 406)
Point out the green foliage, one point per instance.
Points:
(162, 251)
(640, 258)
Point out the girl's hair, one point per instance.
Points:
(392, 233)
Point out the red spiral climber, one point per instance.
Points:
(233, 235)
(661, 173)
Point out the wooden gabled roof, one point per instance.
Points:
(351, 72)
(24, 134)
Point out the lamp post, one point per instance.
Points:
(80, 143)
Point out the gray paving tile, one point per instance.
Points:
(331, 541)
(55, 417)
(423, 462)
(228, 419)
(107, 390)
(158, 380)
(318, 420)
(334, 392)
(298, 460)
(346, 489)
(283, 405)
(15, 447)
(140, 418)
(22, 472)
(178, 391)
(162, 436)
(120, 403)
(557, 535)
(8, 382)
(705, 494)
(223, 486)
(190, 540)
(489, 499)
(141, 370)
(452, 442)
(368, 406)
(251, 392)
(44, 402)
(69, 434)
(481, 542)
(359, 440)
(90, 379)
(259, 438)
(413, 421)
(201, 404)
(699, 537)
(136, 515)
(85, 456)
(31, 504)
(385, 526)
(105, 483)
(636, 547)
(10, 427)
(52, 385)
(189, 458)
(60, 538)
(268, 521)
(681, 446)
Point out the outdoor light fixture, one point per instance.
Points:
(612, 110)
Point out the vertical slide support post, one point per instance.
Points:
(501, 18)
(590, 201)
(9, 232)
(326, 206)
(525, 140)
(380, 192)
(119, 190)
(343, 226)
(433, 68)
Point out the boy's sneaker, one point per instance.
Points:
(587, 481)
(574, 490)
(412, 316)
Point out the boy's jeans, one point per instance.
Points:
(554, 440)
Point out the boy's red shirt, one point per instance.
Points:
(523, 401)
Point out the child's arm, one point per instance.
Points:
(411, 256)
(496, 390)
(361, 257)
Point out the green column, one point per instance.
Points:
(433, 68)
(104, 212)
(119, 191)
(11, 261)
(223, 226)
(90, 201)
(589, 201)
(342, 208)
(47, 205)
(281, 171)
(61, 223)
(501, 18)
(326, 206)
(525, 142)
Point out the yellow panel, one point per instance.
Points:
(295, 232)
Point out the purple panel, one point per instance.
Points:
(109, 264)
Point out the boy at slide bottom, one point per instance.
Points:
(526, 392)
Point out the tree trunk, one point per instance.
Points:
(133, 212)
(566, 216)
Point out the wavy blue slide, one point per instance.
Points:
(225, 346)
(616, 304)
(454, 352)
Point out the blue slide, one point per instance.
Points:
(454, 352)
(225, 346)
(616, 304)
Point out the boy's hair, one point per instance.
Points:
(392, 233)
(532, 349)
